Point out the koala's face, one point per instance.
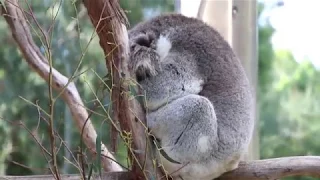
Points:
(163, 74)
(164, 81)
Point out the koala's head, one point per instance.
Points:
(163, 74)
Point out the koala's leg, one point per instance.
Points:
(186, 128)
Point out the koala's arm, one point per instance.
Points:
(187, 131)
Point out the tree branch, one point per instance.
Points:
(32, 54)
(275, 168)
(110, 22)
(268, 169)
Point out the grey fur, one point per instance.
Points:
(199, 103)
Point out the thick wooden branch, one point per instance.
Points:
(276, 168)
(110, 23)
(268, 169)
(32, 54)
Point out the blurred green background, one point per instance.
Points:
(288, 91)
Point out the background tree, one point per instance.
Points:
(288, 106)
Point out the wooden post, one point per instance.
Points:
(218, 14)
(189, 8)
(244, 43)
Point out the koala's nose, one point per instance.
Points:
(142, 74)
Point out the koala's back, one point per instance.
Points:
(161, 23)
(192, 36)
(225, 82)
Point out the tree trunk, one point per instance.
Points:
(110, 23)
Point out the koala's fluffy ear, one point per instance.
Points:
(143, 39)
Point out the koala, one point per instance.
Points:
(198, 100)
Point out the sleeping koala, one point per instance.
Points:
(198, 98)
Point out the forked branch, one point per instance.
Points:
(19, 27)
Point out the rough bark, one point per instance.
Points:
(276, 168)
(110, 23)
(19, 27)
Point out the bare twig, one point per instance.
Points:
(51, 101)
(44, 151)
(32, 54)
